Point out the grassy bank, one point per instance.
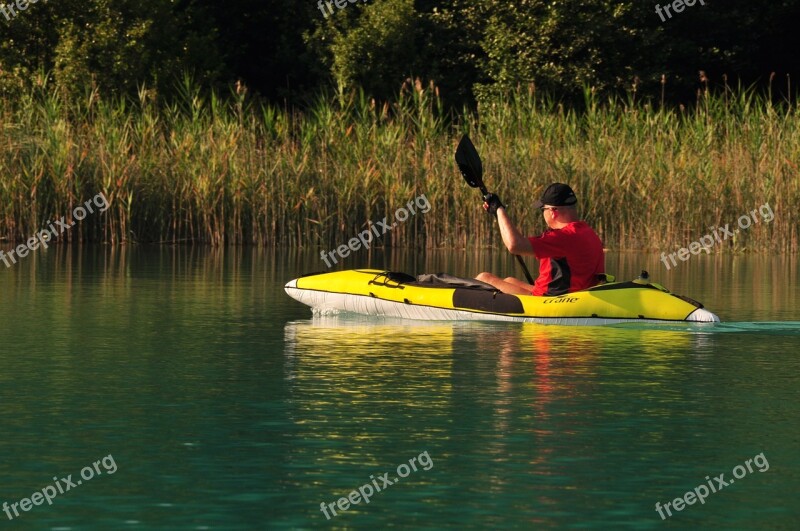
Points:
(230, 172)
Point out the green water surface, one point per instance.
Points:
(224, 404)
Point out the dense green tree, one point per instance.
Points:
(373, 46)
(287, 50)
(613, 46)
(114, 46)
(561, 47)
(262, 44)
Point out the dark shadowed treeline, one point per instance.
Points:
(286, 50)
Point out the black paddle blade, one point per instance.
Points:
(469, 163)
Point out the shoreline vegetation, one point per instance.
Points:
(229, 170)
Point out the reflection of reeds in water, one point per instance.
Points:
(220, 171)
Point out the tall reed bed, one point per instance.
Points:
(230, 171)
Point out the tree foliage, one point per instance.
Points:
(286, 50)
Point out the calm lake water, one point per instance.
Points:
(220, 403)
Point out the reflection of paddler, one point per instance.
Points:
(557, 351)
(563, 356)
(565, 367)
(553, 361)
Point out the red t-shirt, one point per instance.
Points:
(570, 259)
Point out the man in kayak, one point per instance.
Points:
(570, 253)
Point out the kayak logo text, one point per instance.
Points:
(701, 492)
(556, 301)
(379, 229)
(719, 235)
(365, 491)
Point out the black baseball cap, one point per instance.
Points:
(557, 194)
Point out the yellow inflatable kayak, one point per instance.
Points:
(444, 298)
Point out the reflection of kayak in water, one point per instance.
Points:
(329, 354)
(445, 298)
